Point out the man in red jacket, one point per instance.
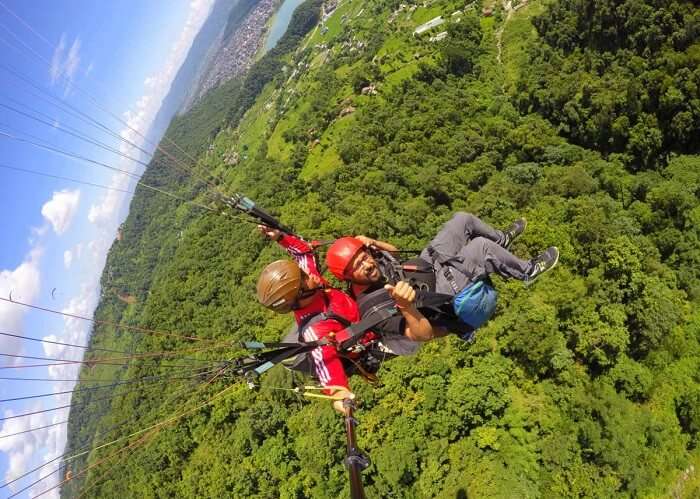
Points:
(298, 286)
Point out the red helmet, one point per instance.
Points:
(340, 254)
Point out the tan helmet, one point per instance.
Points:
(279, 285)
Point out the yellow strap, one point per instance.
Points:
(334, 396)
(307, 391)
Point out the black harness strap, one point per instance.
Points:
(267, 360)
(440, 303)
(276, 359)
(376, 315)
(446, 266)
(427, 299)
(387, 309)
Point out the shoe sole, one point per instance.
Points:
(556, 261)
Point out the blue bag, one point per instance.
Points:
(475, 304)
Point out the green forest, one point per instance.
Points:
(582, 116)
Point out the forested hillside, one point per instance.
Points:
(582, 116)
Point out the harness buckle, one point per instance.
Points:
(357, 348)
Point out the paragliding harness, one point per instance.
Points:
(294, 351)
(361, 358)
(462, 313)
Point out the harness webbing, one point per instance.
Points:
(266, 360)
(357, 330)
(445, 266)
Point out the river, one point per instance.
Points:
(280, 22)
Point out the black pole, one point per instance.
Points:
(355, 460)
(246, 205)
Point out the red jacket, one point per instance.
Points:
(328, 366)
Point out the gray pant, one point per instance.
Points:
(474, 251)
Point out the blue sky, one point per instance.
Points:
(55, 234)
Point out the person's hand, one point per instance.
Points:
(367, 241)
(403, 294)
(373, 243)
(269, 232)
(338, 404)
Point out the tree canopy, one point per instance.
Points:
(581, 116)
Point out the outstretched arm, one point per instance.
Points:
(269, 232)
(298, 249)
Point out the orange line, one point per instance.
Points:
(147, 429)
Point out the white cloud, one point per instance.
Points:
(140, 118)
(150, 82)
(65, 63)
(75, 331)
(98, 249)
(24, 283)
(37, 233)
(67, 259)
(22, 450)
(103, 213)
(72, 61)
(56, 68)
(61, 209)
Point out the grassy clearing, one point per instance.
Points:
(335, 23)
(444, 9)
(277, 147)
(487, 24)
(404, 73)
(319, 60)
(346, 70)
(391, 45)
(424, 14)
(517, 36)
(324, 158)
(254, 125)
